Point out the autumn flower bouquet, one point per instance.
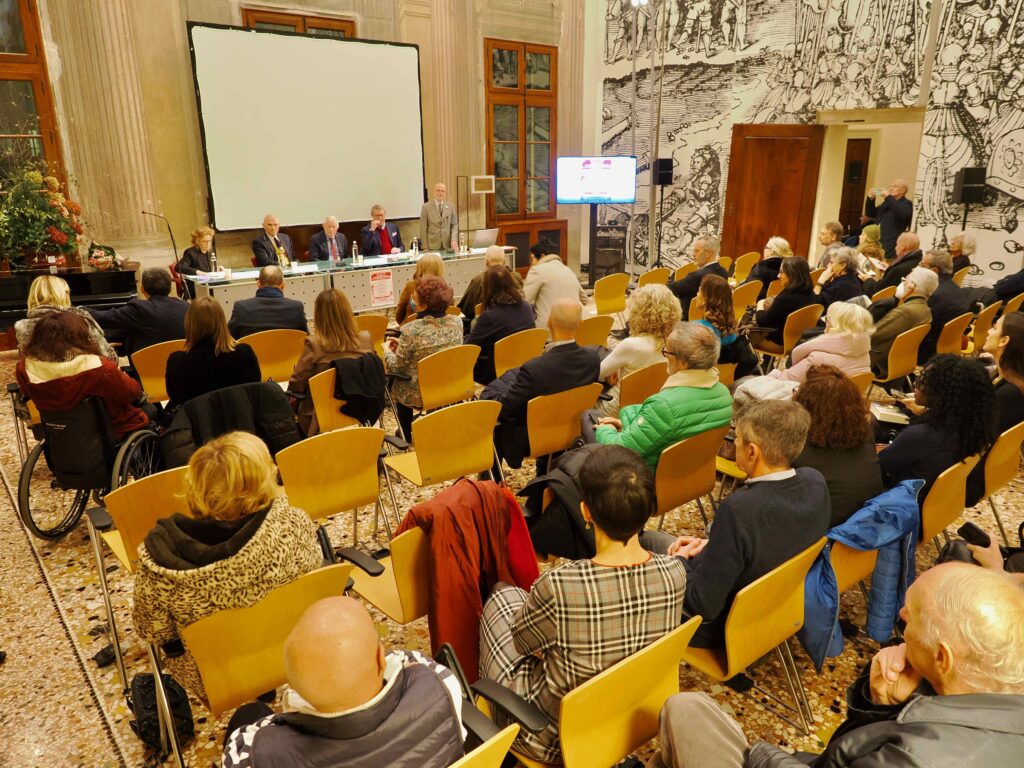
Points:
(37, 222)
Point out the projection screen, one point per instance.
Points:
(306, 127)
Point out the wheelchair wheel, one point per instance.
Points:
(138, 457)
(47, 510)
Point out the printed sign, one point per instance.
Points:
(382, 288)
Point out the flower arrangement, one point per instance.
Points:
(103, 258)
(37, 221)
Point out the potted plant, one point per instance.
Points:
(39, 227)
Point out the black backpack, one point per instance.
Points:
(142, 703)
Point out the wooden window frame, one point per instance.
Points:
(300, 22)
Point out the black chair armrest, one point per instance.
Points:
(515, 706)
(397, 442)
(100, 518)
(297, 395)
(480, 726)
(325, 546)
(604, 396)
(12, 387)
(398, 376)
(360, 560)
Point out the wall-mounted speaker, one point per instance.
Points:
(969, 185)
(663, 175)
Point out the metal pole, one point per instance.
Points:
(632, 132)
(652, 235)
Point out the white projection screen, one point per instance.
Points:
(306, 127)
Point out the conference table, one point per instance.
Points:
(374, 284)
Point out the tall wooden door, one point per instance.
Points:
(855, 177)
(773, 178)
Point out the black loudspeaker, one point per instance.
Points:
(664, 171)
(969, 185)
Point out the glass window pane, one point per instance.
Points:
(504, 68)
(538, 123)
(506, 122)
(539, 158)
(12, 36)
(506, 196)
(506, 160)
(538, 71)
(16, 153)
(18, 108)
(274, 27)
(538, 195)
(337, 34)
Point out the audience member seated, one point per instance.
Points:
(715, 300)
(956, 418)
(586, 615)
(328, 244)
(504, 313)
(840, 281)
(49, 293)
(273, 246)
(797, 293)
(831, 236)
(840, 441)
(1009, 286)
(705, 256)
(549, 281)
(915, 290)
(778, 513)
(691, 401)
(961, 248)
(776, 251)
(474, 293)
(241, 540)
(61, 365)
(212, 359)
(349, 703)
(564, 365)
(380, 236)
(870, 249)
(143, 322)
(951, 695)
(335, 336)
(653, 314)
(197, 258)
(946, 303)
(993, 557)
(908, 257)
(845, 344)
(268, 309)
(428, 264)
(432, 331)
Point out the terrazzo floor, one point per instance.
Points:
(57, 708)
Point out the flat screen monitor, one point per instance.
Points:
(588, 180)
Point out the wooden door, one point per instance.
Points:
(773, 178)
(855, 176)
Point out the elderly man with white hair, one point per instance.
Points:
(328, 244)
(915, 290)
(908, 255)
(962, 247)
(439, 223)
(893, 212)
(273, 247)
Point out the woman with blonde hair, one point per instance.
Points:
(767, 269)
(429, 264)
(212, 358)
(335, 336)
(845, 345)
(240, 540)
(49, 293)
(654, 312)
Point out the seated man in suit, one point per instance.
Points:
(565, 365)
(439, 224)
(946, 303)
(915, 290)
(705, 256)
(328, 244)
(154, 318)
(380, 236)
(908, 256)
(349, 703)
(273, 246)
(268, 309)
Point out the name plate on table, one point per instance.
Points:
(301, 269)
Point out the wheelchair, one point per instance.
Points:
(78, 456)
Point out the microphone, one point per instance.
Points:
(174, 245)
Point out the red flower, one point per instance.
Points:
(72, 206)
(57, 236)
(77, 227)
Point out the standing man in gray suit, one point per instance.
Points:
(439, 225)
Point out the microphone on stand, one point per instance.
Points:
(174, 245)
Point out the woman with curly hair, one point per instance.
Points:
(504, 313)
(715, 299)
(653, 314)
(840, 442)
(958, 420)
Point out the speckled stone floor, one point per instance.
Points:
(57, 708)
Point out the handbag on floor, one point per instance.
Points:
(142, 703)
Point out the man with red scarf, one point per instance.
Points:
(379, 236)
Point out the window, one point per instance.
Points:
(294, 22)
(522, 93)
(28, 126)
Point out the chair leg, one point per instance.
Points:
(799, 684)
(864, 590)
(500, 479)
(938, 549)
(999, 521)
(97, 551)
(387, 523)
(703, 514)
(780, 713)
(168, 735)
(391, 493)
(792, 685)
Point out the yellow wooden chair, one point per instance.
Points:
(1001, 466)
(402, 592)
(610, 293)
(731, 470)
(684, 270)
(617, 711)
(657, 276)
(945, 500)
(796, 323)
(150, 363)
(815, 274)
(593, 331)
(452, 310)
(744, 264)
(696, 311)
(725, 262)
(960, 275)
(446, 377)
(553, 421)
(951, 338)
(512, 351)
(278, 351)
(490, 754)
(863, 381)
(240, 652)
(774, 288)
(328, 416)
(763, 616)
(745, 296)
(726, 373)
(637, 386)
(852, 566)
(686, 472)
(885, 293)
(450, 443)
(1013, 305)
(982, 325)
(902, 360)
(376, 326)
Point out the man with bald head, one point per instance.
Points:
(893, 212)
(272, 246)
(348, 703)
(439, 224)
(268, 309)
(328, 244)
(908, 256)
(951, 695)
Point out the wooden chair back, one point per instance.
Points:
(885, 293)
(1013, 305)
(277, 351)
(150, 363)
(376, 326)
(446, 377)
(594, 331)
(637, 386)
(774, 288)
(456, 441)
(553, 421)
(686, 470)
(982, 325)
(815, 274)
(492, 753)
(402, 592)
(960, 275)
(696, 311)
(952, 336)
(328, 416)
(726, 373)
(1003, 461)
(903, 352)
(798, 322)
(657, 276)
(610, 293)
(514, 350)
(863, 381)
(744, 264)
(136, 507)
(852, 566)
(745, 296)
(725, 262)
(945, 500)
(684, 270)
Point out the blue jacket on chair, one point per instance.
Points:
(888, 523)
